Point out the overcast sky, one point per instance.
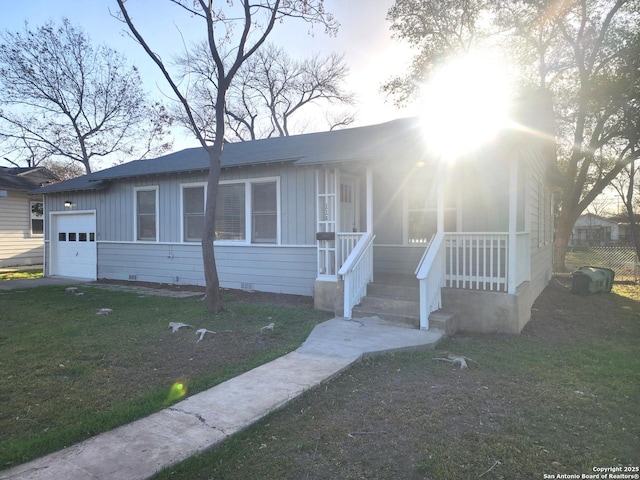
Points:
(364, 38)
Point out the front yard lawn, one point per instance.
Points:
(562, 398)
(68, 374)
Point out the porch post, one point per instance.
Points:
(513, 225)
(369, 200)
(440, 207)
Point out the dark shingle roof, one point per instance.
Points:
(353, 144)
(25, 179)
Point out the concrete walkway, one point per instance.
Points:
(142, 448)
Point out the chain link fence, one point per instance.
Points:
(622, 260)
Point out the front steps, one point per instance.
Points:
(398, 300)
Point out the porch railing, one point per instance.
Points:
(477, 261)
(357, 272)
(347, 242)
(431, 274)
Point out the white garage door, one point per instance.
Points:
(73, 245)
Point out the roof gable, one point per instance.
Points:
(25, 179)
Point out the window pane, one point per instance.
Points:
(146, 227)
(37, 226)
(146, 202)
(230, 212)
(264, 215)
(193, 198)
(193, 226)
(264, 197)
(264, 228)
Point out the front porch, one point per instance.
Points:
(478, 278)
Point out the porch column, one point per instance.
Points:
(369, 199)
(440, 207)
(513, 225)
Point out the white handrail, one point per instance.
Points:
(431, 273)
(357, 272)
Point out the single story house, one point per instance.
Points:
(594, 230)
(21, 215)
(329, 215)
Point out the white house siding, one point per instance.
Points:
(17, 246)
(277, 269)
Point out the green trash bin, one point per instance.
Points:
(590, 280)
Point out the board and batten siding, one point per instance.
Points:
(115, 206)
(18, 246)
(289, 267)
(265, 268)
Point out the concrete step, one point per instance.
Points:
(400, 292)
(444, 321)
(398, 305)
(363, 311)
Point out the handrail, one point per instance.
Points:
(422, 260)
(357, 272)
(431, 274)
(357, 252)
(429, 255)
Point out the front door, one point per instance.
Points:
(349, 221)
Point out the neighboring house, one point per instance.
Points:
(594, 230)
(321, 214)
(21, 216)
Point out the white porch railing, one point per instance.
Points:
(357, 272)
(480, 261)
(477, 261)
(347, 242)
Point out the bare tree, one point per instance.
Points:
(270, 90)
(256, 19)
(63, 98)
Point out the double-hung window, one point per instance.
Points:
(37, 218)
(246, 211)
(146, 207)
(193, 212)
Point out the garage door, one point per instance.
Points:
(73, 245)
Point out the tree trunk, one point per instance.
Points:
(566, 220)
(209, 232)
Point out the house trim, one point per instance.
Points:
(146, 188)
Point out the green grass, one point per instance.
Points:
(67, 373)
(561, 398)
(20, 275)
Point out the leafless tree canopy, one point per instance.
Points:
(64, 98)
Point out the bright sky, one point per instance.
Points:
(364, 38)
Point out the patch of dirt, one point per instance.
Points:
(228, 294)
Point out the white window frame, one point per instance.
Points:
(147, 188)
(248, 217)
(32, 218)
(183, 186)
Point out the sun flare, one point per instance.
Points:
(466, 103)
